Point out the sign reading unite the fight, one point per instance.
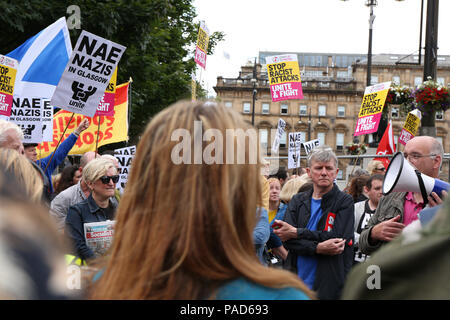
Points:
(284, 77)
(371, 108)
(8, 71)
(202, 45)
(410, 127)
(87, 74)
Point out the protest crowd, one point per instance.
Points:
(186, 228)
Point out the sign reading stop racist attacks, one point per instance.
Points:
(284, 77)
(87, 74)
(202, 45)
(8, 71)
(371, 108)
(410, 127)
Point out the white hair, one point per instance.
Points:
(7, 125)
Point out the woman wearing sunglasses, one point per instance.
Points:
(101, 177)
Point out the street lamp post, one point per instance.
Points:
(255, 91)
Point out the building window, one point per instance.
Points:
(322, 110)
(340, 141)
(283, 140)
(341, 111)
(265, 108)
(246, 107)
(417, 81)
(321, 137)
(373, 79)
(228, 104)
(394, 112)
(440, 115)
(441, 81)
(302, 136)
(396, 80)
(284, 109)
(396, 140)
(441, 140)
(340, 175)
(303, 110)
(263, 138)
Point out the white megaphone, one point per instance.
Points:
(401, 176)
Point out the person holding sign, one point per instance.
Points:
(101, 177)
(318, 228)
(51, 162)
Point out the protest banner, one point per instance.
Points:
(411, 126)
(294, 150)
(87, 74)
(284, 77)
(371, 108)
(106, 105)
(8, 71)
(112, 129)
(125, 157)
(280, 131)
(27, 114)
(202, 45)
(310, 145)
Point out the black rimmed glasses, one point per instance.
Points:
(106, 179)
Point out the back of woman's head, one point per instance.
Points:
(292, 187)
(24, 172)
(185, 221)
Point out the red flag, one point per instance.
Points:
(386, 145)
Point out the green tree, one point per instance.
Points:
(160, 37)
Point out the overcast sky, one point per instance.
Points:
(324, 26)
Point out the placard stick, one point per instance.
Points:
(98, 133)
(53, 153)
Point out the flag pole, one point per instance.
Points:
(53, 153)
(129, 93)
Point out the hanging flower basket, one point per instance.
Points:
(401, 96)
(356, 148)
(430, 97)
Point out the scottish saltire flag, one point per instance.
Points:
(42, 60)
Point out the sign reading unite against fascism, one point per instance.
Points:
(410, 127)
(371, 108)
(87, 74)
(8, 71)
(202, 45)
(284, 77)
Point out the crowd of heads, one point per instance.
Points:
(183, 230)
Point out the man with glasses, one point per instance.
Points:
(398, 209)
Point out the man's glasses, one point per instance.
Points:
(105, 179)
(381, 169)
(416, 156)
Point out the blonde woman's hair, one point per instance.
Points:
(25, 174)
(97, 168)
(291, 187)
(372, 165)
(183, 230)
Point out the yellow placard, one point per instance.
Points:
(202, 40)
(282, 72)
(373, 103)
(412, 123)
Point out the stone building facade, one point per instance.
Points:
(333, 87)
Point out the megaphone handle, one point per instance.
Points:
(422, 187)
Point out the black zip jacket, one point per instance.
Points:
(337, 221)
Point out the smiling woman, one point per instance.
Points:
(101, 177)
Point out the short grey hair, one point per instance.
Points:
(322, 154)
(7, 125)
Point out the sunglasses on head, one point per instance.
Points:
(105, 179)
